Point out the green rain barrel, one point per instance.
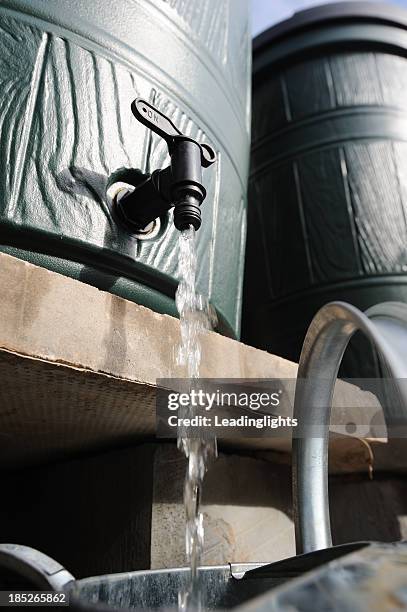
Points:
(68, 73)
(328, 180)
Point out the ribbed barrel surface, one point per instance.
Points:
(328, 183)
(69, 71)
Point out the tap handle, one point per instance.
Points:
(152, 118)
(156, 121)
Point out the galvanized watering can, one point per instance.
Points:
(224, 587)
(353, 577)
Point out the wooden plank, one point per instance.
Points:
(79, 368)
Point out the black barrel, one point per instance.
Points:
(328, 185)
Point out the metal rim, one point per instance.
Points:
(34, 566)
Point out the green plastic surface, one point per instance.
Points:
(69, 71)
(328, 184)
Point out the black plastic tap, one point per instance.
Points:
(179, 185)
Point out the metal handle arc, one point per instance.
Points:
(34, 567)
(325, 343)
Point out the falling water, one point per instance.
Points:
(195, 317)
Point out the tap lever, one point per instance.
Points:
(162, 125)
(154, 119)
(208, 155)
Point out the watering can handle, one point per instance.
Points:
(33, 567)
(323, 349)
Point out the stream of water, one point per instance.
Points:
(196, 317)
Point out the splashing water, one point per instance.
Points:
(195, 317)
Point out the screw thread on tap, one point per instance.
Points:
(187, 211)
